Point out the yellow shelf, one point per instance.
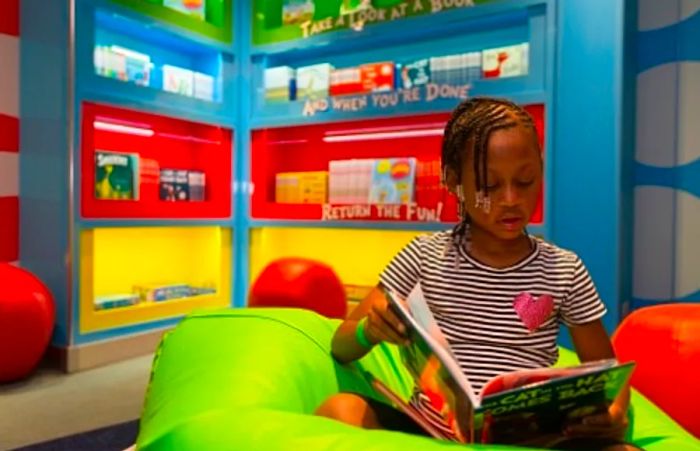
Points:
(356, 255)
(115, 260)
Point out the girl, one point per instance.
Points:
(471, 275)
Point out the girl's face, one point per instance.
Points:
(514, 180)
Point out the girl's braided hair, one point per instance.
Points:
(470, 126)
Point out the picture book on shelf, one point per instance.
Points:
(116, 175)
(522, 407)
(510, 61)
(297, 11)
(393, 181)
(195, 8)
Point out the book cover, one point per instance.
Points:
(378, 77)
(393, 181)
(116, 175)
(167, 185)
(136, 66)
(313, 82)
(194, 8)
(297, 11)
(353, 6)
(414, 73)
(510, 61)
(203, 86)
(279, 84)
(182, 185)
(520, 407)
(346, 81)
(529, 406)
(178, 80)
(197, 186)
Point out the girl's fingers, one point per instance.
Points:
(391, 319)
(381, 330)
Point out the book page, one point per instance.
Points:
(437, 375)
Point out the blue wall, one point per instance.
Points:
(44, 166)
(667, 163)
(590, 204)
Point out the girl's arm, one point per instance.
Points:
(592, 343)
(379, 323)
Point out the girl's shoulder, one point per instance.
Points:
(555, 254)
(432, 242)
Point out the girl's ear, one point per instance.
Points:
(450, 179)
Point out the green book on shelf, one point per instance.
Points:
(116, 175)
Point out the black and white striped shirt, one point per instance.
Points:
(473, 303)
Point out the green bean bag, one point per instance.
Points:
(250, 379)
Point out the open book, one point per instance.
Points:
(528, 407)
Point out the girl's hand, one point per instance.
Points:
(382, 324)
(610, 424)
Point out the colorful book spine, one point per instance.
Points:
(455, 69)
(116, 301)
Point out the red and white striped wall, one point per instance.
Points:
(9, 131)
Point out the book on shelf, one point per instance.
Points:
(116, 175)
(509, 61)
(194, 8)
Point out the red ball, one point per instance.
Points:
(300, 283)
(663, 341)
(27, 315)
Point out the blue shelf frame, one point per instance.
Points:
(568, 86)
(62, 39)
(97, 88)
(91, 87)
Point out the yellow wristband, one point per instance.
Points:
(360, 335)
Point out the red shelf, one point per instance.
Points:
(311, 147)
(160, 142)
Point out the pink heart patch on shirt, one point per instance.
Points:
(533, 312)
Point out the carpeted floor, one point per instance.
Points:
(111, 438)
(51, 405)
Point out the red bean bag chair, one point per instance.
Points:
(664, 340)
(27, 314)
(300, 283)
